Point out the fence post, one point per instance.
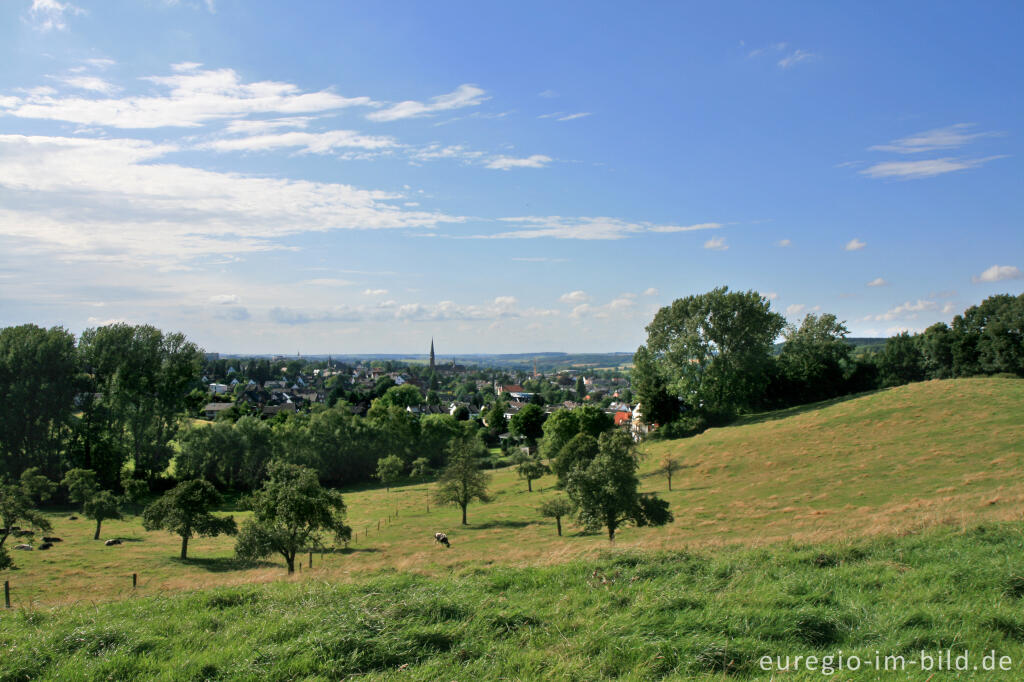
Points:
(7, 593)
(135, 580)
(311, 558)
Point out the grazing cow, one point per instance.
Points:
(46, 539)
(27, 548)
(45, 545)
(442, 539)
(111, 543)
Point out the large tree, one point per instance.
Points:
(17, 508)
(530, 467)
(291, 512)
(101, 506)
(528, 424)
(143, 378)
(712, 350)
(990, 337)
(605, 491)
(389, 470)
(462, 481)
(185, 510)
(37, 371)
(813, 362)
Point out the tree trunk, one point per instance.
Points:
(464, 515)
(529, 485)
(184, 547)
(670, 482)
(99, 522)
(291, 563)
(611, 533)
(558, 522)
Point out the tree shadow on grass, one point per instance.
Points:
(775, 415)
(343, 550)
(223, 564)
(497, 524)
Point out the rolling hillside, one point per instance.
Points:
(891, 462)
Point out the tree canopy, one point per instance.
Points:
(292, 511)
(185, 510)
(462, 481)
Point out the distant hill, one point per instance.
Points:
(545, 361)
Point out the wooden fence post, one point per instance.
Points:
(7, 593)
(311, 558)
(135, 580)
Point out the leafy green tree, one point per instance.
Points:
(530, 467)
(135, 489)
(658, 405)
(936, 345)
(144, 377)
(555, 508)
(989, 337)
(398, 431)
(714, 349)
(814, 359)
(389, 470)
(81, 485)
(558, 430)
(38, 486)
(605, 491)
(578, 452)
(462, 481)
(185, 510)
(668, 466)
(528, 424)
(901, 361)
(101, 506)
(16, 508)
(581, 388)
(37, 371)
(437, 431)
(421, 468)
(291, 512)
(402, 396)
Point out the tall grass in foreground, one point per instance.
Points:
(632, 615)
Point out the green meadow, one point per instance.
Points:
(888, 521)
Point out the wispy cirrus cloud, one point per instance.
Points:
(193, 97)
(305, 142)
(599, 228)
(914, 170)
(795, 58)
(877, 282)
(950, 137)
(465, 95)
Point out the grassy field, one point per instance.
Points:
(896, 461)
(623, 614)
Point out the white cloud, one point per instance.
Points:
(328, 282)
(193, 98)
(259, 126)
(908, 310)
(999, 273)
(50, 14)
(508, 162)
(599, 228)
(574, 297)
(783, 243)
(795, 309)
(651, 292)
(949, 137)
(913, 170)
(771, 295)
(562, 116)
(104, 198)
(313, 143)
(224, 299)
(795, 58)
(503, 307)
(855, 245)
(375, 292)
(463, 96)
(877, 282)
(716, 244)
(92, 83)
(547, 94)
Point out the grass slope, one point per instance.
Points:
(628, 615)
(904, 459)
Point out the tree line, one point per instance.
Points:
(712, 356)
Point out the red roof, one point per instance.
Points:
(623, 418)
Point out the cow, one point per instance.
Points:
(46, 545)
(27, 548)
(46, 539)
(442, 539)
(111, 543)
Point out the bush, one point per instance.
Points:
(684, 427)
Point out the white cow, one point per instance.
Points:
(441, 538)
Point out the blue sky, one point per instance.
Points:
(532, 176)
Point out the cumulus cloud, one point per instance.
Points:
(999, 273)
(574, 297)
(509, 162)
(503, 307)
(877, 282)
(651, 292)
(783, 242)
(908, 309)
(465, 95)
(328, 282)
(855, 245)
(716, 244)
(375, 292)
(92, 83)
(224, 299)
(306, 142)
(49, 15)
(800, 308)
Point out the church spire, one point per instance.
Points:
(431, 354)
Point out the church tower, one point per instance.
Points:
(431, 354)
